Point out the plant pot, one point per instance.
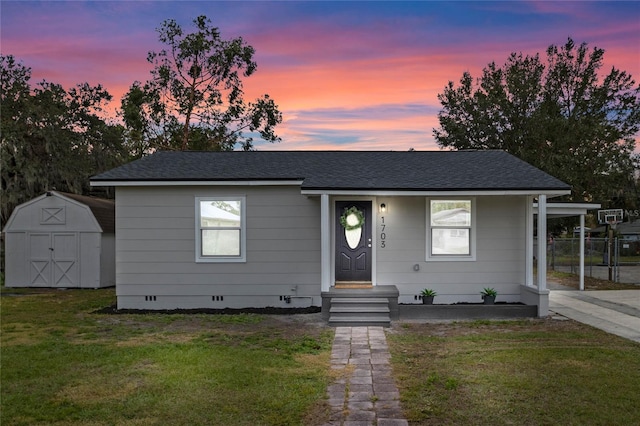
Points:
(427, 300)
(489, 300)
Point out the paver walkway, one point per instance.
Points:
(364, 393)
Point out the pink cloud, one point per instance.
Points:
(313, 63)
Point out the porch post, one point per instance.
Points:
(528, 279)
(325, 245)
(542, 242)
(581, 252)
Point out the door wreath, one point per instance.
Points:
(352, 218)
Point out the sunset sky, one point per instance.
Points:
(346, 75)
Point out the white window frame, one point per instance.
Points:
(471, 257)
(200, 258)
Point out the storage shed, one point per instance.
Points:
(61, 240)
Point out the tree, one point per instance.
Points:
(561, 117)
(194, 99)
(51, 138)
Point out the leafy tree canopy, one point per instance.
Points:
(194, 99)
(564, 117)
(51, 138)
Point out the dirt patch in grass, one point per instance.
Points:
(590, 283)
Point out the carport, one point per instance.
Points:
(557, 210)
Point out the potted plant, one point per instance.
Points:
(427, 296)
(489, 295)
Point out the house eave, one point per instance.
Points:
(272, 182)
(437, 193)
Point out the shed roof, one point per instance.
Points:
(342, 170)
(103, 210)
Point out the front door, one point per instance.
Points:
(353, 241)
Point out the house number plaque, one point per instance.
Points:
(383, 235)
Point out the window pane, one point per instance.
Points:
(221, 242)
(220, 214)
(450, 241)
(450, 213)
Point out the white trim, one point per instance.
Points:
(471, 257)
(198, 183)
(242, 258)
(325, 243)
(449, 193)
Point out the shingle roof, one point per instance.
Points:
(344, 170)
(103, 210)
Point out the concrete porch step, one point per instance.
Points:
(359, 310)
(359, 301)
(360, 307)
(360, 321)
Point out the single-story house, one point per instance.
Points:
(61, 240)
(310, 228)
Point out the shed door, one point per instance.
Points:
(54, 259)
(64, 257)
(40, 259)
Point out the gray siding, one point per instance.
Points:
(155, 250)
(157, 268)
(500, 252)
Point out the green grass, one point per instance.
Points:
(64, 364)
(533, 372)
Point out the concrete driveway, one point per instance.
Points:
(614, 311)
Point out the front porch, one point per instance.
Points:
(378, 306)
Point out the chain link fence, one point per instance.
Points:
(623, 265)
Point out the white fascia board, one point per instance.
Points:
(198, 183)
(548, 193)
(567, 209)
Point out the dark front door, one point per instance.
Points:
(353, 240)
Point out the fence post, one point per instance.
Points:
(590, 257)
(571, 261)
(610, 252)
(617, 261)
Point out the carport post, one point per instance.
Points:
(581, 252)
(542, 242)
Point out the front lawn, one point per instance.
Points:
(62, 363)
(527, 372)
(65, 364)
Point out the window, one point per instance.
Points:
(450, 230)
(220, 229)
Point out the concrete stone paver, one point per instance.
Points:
(364, 394)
